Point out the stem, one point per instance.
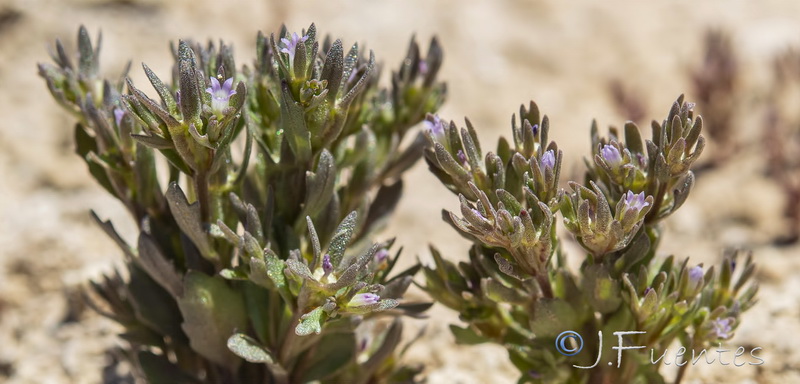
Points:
(598, 376)
(203, 195)
(288, 341)
(682, 369)
(279, 374)
(544, 284)
(289, 336)
(681, 372)
(652, 216)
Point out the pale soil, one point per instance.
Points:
(498, 55)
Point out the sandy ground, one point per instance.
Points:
(498, 55)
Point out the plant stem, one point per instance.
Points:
(203, 195)
(544, 283)
(682, 369)
(652, 216)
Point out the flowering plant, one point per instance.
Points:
(253, 263)
(517, 289)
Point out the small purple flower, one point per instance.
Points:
(611, 155)
(462, 158)
(381, 256)
(695, 276)
(327, 267)
(363, 299)
(642, 160)
(635, 201)
(290, 45)
(423, 67)
(220, 94)
(647, 290)
(548, 161)
(535, 129)
(118, 114)
(722, 328)
(434, 126)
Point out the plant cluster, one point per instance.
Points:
(516, 290)
(256, 191)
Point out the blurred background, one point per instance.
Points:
(612, 61)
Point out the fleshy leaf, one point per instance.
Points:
(249, 349)
(212, 312)
(340, 240)
(310, 322)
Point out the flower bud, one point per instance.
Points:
(363, 299)
(611, 155)
(695, 277)
(462, 158)
(548, 161)
(118, 114)
(327, 266)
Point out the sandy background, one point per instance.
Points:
(498, 54)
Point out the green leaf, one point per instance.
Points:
(333, 352)
(86, 59)
(154, 107)
(553, 316)
(108, 228)
(316, 248)
(293, 125)
(453, 168)
(333, 69)
(391, 339)
(344, 103)
(188, 218)
(260, 307)
(249, 349)
(212, 312)
(190, 89)
(340, 240)
(159, 370)
(384, 204)
(602, 291)
(85, 144)
(157, 266)
(236, 273)
(310, 322)
(466, 336)
(498, 292)
(320, 184)
(633, 138)
(153, 305)
(299, 269)
(163, 91)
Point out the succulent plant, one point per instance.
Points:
(516, 290)
(254, 262)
